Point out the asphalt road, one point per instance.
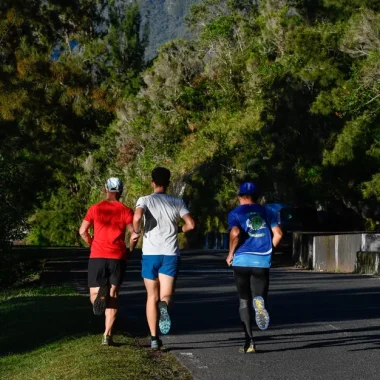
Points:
(323, 325)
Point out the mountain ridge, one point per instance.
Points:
(166, 21)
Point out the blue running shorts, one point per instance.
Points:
(152, 265)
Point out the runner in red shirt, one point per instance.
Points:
(110, 219)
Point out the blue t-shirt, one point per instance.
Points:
(255, 244)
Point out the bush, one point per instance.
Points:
(14, 269)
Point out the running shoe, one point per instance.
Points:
(156, 344)
(164, 323)
(100, 301)
(262, 316)
(107, 340)
(249, 347)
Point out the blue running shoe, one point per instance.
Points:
(156, 344)
(262, 316)
(164, 323)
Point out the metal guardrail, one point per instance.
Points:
(24, 252)
(217, 240)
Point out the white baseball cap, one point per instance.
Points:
(114, 185)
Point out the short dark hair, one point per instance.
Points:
(161, 176)
(252, 197)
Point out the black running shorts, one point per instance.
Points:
(105, 272)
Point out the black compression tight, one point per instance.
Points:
(250, 283)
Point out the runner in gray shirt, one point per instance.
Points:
(160, 261)
(161, 215)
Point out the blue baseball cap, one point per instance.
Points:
(114, 185)
(247, 188)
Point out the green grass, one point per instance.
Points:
(50, 333)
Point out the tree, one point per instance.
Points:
(58, 74)
(112, 60)
(264, 79)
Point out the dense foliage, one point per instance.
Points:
(64, 68)
(284, 92)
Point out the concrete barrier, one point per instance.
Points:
(368, 259)
(348, 247)
(302, 253)
(345, 252)
(368, 263)
(306, 244)
(324, 253)
(336, 252)
(370, 242)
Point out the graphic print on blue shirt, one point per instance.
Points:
(255, 244)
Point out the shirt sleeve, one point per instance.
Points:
(141, 203)
(128, 216)
(232, 221)
(183, 210)
(90, 215)
(272, 217)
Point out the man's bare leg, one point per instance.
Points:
(153, 292)
(166, 287)
(111, 308)
(93, 294)
(166, 293)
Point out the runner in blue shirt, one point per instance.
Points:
(251, 227)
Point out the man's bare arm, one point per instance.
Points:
(136, 226)
(189, 223)
(83, 232)
(132, 243)
(277, 235)
(234, 241)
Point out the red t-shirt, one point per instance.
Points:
(110, 221)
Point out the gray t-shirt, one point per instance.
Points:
(161, 215)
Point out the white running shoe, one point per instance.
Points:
(262, 316)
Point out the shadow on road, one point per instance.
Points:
(208, 303)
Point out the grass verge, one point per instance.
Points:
(50, 333)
